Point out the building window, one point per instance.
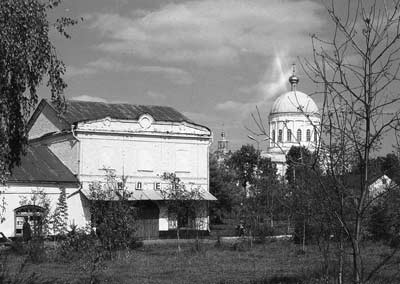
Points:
(298, 135)
(273, 136)
(315, 136)
(181, 217)
(138, 185)
(308, 135)
(289, 135)
(280, 135)
(32, 214)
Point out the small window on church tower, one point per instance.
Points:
(298, 135)
(273, 136)
(308, 135)
(315, 136)
(280, 135)
(289, 135)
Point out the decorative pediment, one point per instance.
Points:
(144, 125)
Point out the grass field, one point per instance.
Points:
(162, 263)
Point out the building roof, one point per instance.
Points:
(85, 111)
(294, 102)
(40, 165)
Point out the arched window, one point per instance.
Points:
(298, 135)
(273, 136)
(289, 135)
(280, 135)
(315, 136)
(308, 135)
(33, 214)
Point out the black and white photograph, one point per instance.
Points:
(200, 141)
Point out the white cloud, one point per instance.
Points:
(240, 109)
(156, 95)
(87, 98)
(175, 75)
(73, 71)
(211, 32)
(107, 64)
(274, 82)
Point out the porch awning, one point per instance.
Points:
(149, 194)
(208, 196)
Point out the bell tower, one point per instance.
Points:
(223, 144)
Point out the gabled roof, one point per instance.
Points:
(84, 111)
(40, 165)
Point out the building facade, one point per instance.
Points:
(137, 142)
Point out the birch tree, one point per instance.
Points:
(27, 58)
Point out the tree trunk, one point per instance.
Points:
(178, 239)
(304, 234)
(340, 273)
(357, 264)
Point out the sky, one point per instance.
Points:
(213, 60)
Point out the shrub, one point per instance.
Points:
(36, 250)
(262, 231)
(75, 243)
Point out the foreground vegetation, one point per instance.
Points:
(209, 262)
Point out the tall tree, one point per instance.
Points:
(27, 56)
(261, 186)
(113, 215)
(244, 163)
(358, 69)
(186, 206)
(223, 185)
(60, 214)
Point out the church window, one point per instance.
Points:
(315, 136)
(280, 135)
(308, 135)
(289, 135)
(298, 135)
(273, 136)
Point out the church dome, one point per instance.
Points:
(294, 101)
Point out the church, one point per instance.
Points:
(70, 151)
(294, 120)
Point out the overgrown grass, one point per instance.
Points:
(275, 262)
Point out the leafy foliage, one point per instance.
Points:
(184, 204)
(60, 215)
(27, 56)
(113, 215)
(260, 191)
(244, 163)
(384, 224)
(223, 185)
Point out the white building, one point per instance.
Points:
(294, 120)
(139, 142)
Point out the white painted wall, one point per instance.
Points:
(12, 196)
(143, 154)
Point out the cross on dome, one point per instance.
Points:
(293, 80)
